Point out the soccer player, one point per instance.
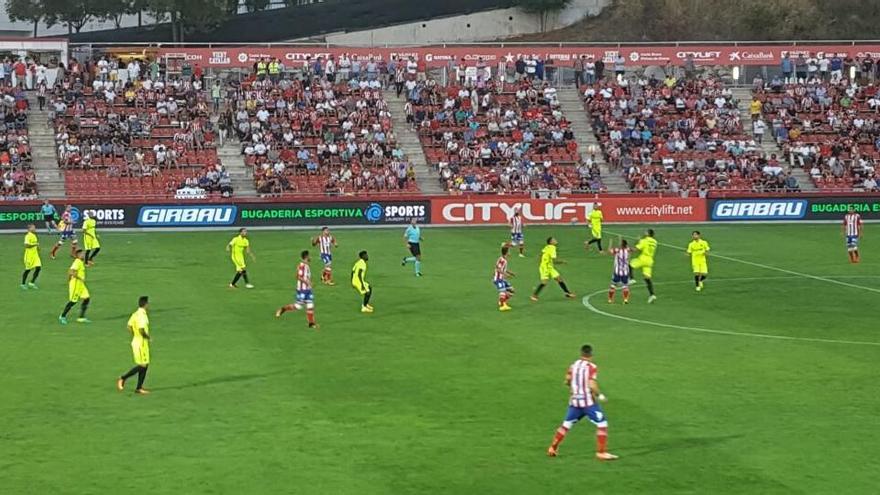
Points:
(505, 290)
(237, 247)
(326, 242)
(413, 238)
(852, 230)
(595, 218)
(90, 237)
(49, 212)
(547, 270)
(304, 295)
(620, 271)
(358, 281)
(516, 231)
(139, 326)
(31, 258)
(698, 249)
(582, 380)
(65, 229)
(647, 248)
(76, 289)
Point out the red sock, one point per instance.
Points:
(611, 292)
(310, 315)
(502, 298)
(626, 293)
(559, 436)
(856, 256)
(287, 307)
(601, 439)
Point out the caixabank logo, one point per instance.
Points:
(759, 209)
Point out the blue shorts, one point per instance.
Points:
(67, 235)
(502, 285)
(852, 241)
(516, 238)
(305, 296)
(594, 413)
(620, 279)
(326, 258)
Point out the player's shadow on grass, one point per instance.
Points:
(682, 443)
(219, 380)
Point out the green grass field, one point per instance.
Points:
(438, 392)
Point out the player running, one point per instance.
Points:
(505, 290)
(48, 211)
(65, 230)
(620, 271)
(647, 248)
(852, 230)
(76, 289)
(90, 237)
(326, 242)
(304, 295)
(413, 238)
(516, 231)
(698, 250)
(32, 260)
(547, 270)
(139, 326)
(582, 380)
(595, 218)
(359, 282)
(237, 247)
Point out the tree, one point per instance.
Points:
(113, 10)
(73, 13)
(542, 7)
(25, 10)
(190, 15)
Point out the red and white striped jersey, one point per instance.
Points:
(325, 243)
(580, 373)
(303, 277)
(516, 224)
(501, 269)
(852, 223)
(65, 217)
(621, 260)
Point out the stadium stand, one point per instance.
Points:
(829, 127)
(484, 136)
(18, 180)
(314, 135)
(135, 136)
(683, 136)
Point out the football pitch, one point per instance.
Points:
(766, 382)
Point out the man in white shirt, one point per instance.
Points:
(759, 126)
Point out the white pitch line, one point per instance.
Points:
(586, 302)
(775, 268)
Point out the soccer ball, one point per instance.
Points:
(574, 221)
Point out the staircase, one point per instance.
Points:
(408, 141)
(50, 178)
(769, 146)
(242, 177)
(573, 107)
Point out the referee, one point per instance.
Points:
(413, 238)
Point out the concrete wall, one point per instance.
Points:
(483, 26)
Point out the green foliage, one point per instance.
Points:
(25, 10)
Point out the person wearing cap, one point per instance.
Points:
(595, 218)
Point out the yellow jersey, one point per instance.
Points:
(596, 218)
(698, 249)
(647, 247)
(88, 228)
(239, 245)
(31, 244)
(548, 256)
(139, 325)
(80, 269)
(359, 272)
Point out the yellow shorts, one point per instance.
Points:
(77, 291)
(596, 233)
(548, 273)
(90, 243)
(361, 289)
(32, 261)
(140, 350)
(700, 266)
(645, 264)
(239, 264)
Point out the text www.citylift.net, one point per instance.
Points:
(655, 210)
